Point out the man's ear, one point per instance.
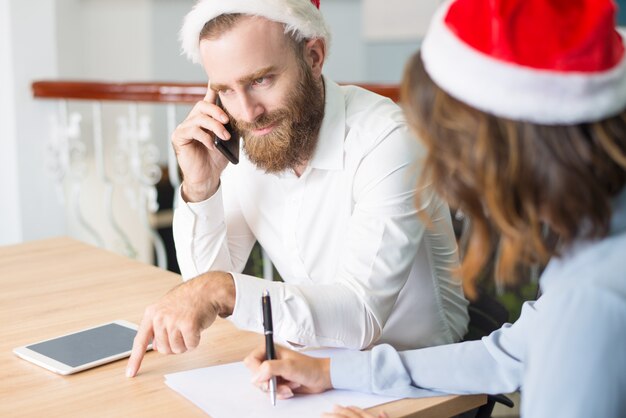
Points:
(314, 54)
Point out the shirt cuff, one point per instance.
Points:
(351, 371)
(205, 211)
(247, 313)
(191, 221)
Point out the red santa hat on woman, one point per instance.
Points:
(301, 17)
(544, 61)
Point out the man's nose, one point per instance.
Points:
(251, 109)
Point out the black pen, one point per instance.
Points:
(268, 328)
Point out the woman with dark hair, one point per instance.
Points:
(521, 106)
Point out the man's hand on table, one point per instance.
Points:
(175, 322)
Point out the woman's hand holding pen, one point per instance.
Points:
(297, 372)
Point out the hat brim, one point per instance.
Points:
(297, 15)
(517, 92)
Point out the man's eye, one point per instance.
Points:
(225, 92)
(261, 81)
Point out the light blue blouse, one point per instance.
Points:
(566, 352)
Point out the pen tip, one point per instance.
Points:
(266, 292)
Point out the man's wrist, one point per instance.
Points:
(193, 193)
(221, 287)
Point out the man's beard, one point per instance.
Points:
(293, 139)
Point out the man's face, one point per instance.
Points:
(270, 94)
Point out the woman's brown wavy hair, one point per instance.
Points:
(518, 182)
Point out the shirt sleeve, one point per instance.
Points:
(201, 238)
(311, 315)
(568, 360)
(492, 365)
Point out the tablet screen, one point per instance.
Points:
(87, 346)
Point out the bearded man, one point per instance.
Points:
(326, 185)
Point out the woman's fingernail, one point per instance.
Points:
(286, 394)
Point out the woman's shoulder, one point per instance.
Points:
(589, 267)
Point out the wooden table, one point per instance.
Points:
(56, 286)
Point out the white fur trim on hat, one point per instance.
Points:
(299, 16)
(516, 92)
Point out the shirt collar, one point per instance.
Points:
(572, 260)
(328, 153)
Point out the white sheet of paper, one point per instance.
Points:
(225, 391)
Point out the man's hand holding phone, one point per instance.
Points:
(229, 148)
(198, 156)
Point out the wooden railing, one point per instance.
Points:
(74, 145)
(150, 92)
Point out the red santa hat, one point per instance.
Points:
(544, 61)
(302, 17)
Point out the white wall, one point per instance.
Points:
(10, 218)
(106, 40)
(31, 208)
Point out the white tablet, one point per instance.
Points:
(83, 349)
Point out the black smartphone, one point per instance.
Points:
(230, 148)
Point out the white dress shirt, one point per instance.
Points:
(358, 264)
(566, 352)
